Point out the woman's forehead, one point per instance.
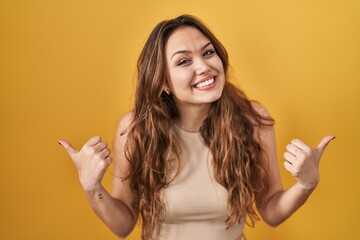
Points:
(186, 38)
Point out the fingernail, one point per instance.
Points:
(59, 143)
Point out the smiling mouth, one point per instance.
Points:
(205, 83)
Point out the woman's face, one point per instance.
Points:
(196, 71)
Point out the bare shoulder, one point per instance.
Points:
(121, 138)
(124, 123)
(265, 131)
(260, 109)
(121, 164)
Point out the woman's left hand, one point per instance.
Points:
(302, 161)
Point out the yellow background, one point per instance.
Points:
(67, 71)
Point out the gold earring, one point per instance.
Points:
(167, 91)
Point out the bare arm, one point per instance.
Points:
(301, 161)
(114, 209)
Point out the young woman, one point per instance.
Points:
(195, 154)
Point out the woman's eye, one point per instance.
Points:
(209, 53)
(183, 62)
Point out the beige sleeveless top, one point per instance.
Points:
(196, 205)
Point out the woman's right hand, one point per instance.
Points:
(91, 161)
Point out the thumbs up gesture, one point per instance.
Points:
(302, 161)
(91, 161)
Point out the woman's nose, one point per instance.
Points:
(202, 67)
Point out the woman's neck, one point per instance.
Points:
(192, 117)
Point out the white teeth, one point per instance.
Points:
(205, 83)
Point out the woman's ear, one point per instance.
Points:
(166, 90)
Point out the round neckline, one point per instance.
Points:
(184, 132)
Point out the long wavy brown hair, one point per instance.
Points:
(228, 131)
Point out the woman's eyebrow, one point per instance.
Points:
(188, 51)
(206, 45)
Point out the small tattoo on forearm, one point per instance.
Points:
(100, 196)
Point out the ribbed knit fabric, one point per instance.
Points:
(196, 205)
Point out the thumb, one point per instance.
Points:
(324, 142)
(69, 148)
